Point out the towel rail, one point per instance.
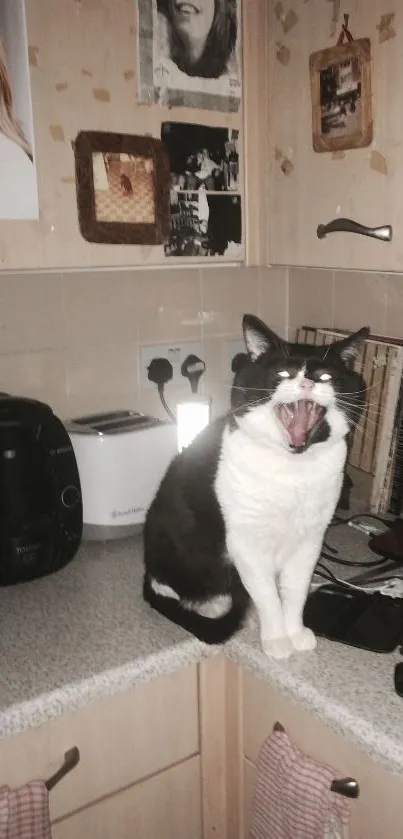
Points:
(348, 787)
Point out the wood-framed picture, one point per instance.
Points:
(341, 96)
(122, 184)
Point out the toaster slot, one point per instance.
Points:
(126, 424)
(90, 419)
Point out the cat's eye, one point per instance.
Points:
(284, 374)
(325, 377)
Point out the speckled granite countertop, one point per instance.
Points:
(85, 632)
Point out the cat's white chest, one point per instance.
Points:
(276, 495)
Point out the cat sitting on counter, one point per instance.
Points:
(241, 514)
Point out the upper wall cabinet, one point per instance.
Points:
(308, 188)
(83, 66)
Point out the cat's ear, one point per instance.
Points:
(349, 348)
(258, 337)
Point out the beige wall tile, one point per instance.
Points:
(394, 305)
(102, 377)
(310, 298)
(228, 293)
(30, 312)
(360, 300)
(99, 306)
(215, 383)
(168, 305)
(37, 375)
(273, 298)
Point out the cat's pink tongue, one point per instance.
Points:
(298, 419)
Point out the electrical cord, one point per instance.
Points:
(164, 403)
(326, 574)
(332, 554)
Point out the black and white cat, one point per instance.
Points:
(241, 513)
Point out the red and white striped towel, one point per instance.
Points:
(293, 799)
(24, 812)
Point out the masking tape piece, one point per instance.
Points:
(33, 56)
(385, 27)
(286, 166)
(378, 163)
(101, 94)
(283, 54)
(57, 133)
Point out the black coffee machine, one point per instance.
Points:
(41, 514)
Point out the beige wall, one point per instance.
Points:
(83, 77)
(73, 339)
(309, 188)
(346, 299)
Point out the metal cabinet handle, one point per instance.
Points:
(347, 225)
(71, 759)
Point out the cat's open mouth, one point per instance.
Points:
(298, 419)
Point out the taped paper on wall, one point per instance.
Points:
(19, 190)
(190, 55)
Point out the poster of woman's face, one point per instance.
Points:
(190, 53)
(19, 191)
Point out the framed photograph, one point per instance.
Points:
(122, 184)
(341, 96)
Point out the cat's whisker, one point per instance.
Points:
(327, 351)
(268, 390)
(365, 390)
(285, 349)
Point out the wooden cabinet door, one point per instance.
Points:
(167, 805)
(307, 188)
(378, 812)
(122, 739)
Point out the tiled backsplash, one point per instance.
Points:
(73, 339)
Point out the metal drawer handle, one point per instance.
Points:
(348, 787)
(71, 758)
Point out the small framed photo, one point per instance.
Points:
(122, 184)
(341, 96)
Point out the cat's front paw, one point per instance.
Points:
(277, 647)
(304, 640)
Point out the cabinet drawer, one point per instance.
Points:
(379, 809)
(167, 805)
(122, 739)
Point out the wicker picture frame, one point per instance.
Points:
(122, 184)
(341, 96)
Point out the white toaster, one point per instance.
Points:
(121, 458)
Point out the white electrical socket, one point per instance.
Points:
(231, 349)
(176, 353)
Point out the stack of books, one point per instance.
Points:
(375, 458)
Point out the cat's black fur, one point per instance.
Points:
(184, 533)
(184, 541)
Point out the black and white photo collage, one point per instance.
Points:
(206, 218)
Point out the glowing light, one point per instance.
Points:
(192, 416)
